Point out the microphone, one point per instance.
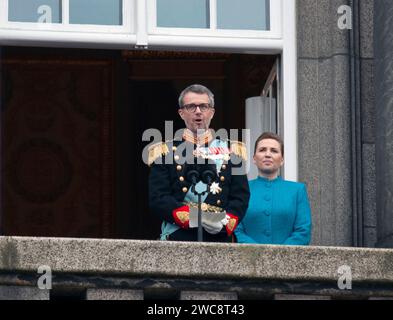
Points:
(193, 176)
(208, 173)
(208, 176)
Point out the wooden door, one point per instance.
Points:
(57, 168)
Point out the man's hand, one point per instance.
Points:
(214, 227)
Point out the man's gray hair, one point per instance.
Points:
(199, 89)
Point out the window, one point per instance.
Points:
(41, 11)
(228, 14)
(99, 12)
(222, 18)
(246, 24)
(243, 15)
(183, 14)
(99, 16)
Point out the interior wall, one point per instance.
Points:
(57, 142)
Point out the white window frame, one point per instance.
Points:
(274, 32)
(81, 35)
(245, 41)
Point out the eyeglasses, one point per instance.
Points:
(192, 107)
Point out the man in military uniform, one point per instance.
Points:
(171, 193)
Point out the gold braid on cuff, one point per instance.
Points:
(205, 207)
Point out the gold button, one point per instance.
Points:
(184, 189)
(224, 167)
(181, 179)
(174, 148)
(222, 178)
(218, 202)
(177, 157)
(178, 168)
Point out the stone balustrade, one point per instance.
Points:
(135, 269)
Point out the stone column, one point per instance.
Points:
(324, 119)
(383, 53)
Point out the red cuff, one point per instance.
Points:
(232, 223)
(182, 216)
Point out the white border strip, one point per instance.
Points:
(213, 14)
(3, 11)
(276, 10)
(289, 71)
(67, 39)
(240, 45)
(65, 12)
(141, 23)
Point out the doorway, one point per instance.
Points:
(72, 125)
(154, 82)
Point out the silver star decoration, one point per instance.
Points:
(215, 188)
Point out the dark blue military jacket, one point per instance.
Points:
(169, 183)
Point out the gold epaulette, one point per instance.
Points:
(157, 150)
(239, 149)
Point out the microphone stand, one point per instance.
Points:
(200, 231)
(207, 177)
(193, 189)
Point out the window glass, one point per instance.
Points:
(101, 12)
(243, 15)
(43, 11)
(183, 13)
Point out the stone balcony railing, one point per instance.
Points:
(135, 269)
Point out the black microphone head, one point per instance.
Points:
(208, 176)
(192, 176)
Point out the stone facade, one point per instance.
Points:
(384, 120)
(337, 121)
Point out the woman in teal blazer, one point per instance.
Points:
(278, 211)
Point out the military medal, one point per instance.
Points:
(212, 153)
(215, 188)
